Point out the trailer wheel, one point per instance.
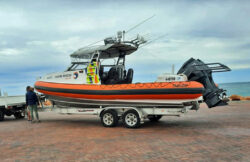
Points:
(154, 118)
(109, 118)
(131, 119)
(1, 115)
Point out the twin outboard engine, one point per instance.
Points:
(196, 70)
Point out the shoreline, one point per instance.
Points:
(235, 97)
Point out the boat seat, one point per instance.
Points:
(103, 75)
(129, 76)
(115, 76)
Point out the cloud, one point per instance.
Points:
(10, 52)
(36, 43)
(208, 49)
(12, 19)
(85, 24)
(68, 45)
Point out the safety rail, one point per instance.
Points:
(214, 67)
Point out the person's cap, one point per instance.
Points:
(28, 87)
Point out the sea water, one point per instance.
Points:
(241, 88)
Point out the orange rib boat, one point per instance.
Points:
(140, 93)
(89, 81)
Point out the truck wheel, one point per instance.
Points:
(109, 118)
(1, 115)
(17, 115)
(154, 118)
(131, 119)
(22, 114)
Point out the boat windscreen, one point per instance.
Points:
(80, 60)
(107, 62)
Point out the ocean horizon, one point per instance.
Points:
(238, 88)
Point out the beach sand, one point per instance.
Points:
(217, 134)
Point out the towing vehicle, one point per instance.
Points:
(12, 105)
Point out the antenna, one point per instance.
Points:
(139, 24)
(173, 67)
(93, 43)
(124, 32)
(154, 40)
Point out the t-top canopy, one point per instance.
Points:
(106, 51)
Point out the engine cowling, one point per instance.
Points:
(196, 70)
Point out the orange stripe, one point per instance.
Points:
(156, 85)
(125, 97)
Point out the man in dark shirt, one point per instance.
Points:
(27, 109)
(32, 101)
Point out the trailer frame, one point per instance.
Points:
(116, 113)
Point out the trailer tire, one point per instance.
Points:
(1, 115)
(154, 118)
(109, 118)
(131, 119)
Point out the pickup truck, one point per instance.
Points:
(12, 105)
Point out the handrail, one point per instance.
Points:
(214, 67)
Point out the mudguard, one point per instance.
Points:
(196, 70)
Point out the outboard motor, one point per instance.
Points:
(196, 70)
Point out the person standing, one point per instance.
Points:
(27, 108)
(32, 101)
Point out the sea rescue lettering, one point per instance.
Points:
(67, 75)
(58, 76)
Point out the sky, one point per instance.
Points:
(37, 37)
